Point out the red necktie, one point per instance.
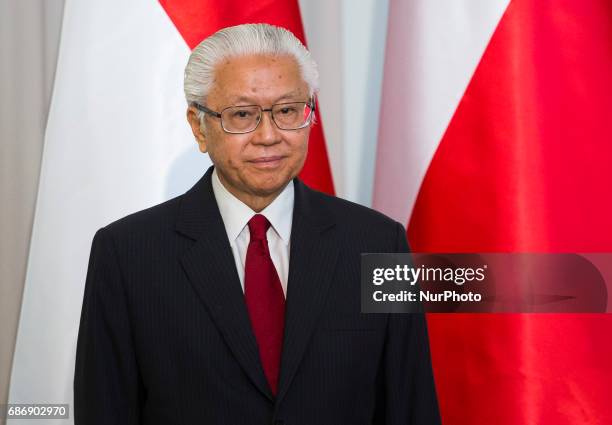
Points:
(264, 299)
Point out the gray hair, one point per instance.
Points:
(242, 40)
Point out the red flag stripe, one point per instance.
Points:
(526, 165)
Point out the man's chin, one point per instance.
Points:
(265, 191)
(266, 183)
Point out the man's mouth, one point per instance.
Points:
(267, 161)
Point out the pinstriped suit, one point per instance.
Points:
(165, 336)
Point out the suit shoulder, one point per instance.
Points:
(158, 217)
(353, 213)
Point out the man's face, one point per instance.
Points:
(254, 166)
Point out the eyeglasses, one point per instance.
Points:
(244, 119)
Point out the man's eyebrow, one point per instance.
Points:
(246, 100)
(288, 96)
(242, 99)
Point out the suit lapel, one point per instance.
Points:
(210, 266)
(311, 264)
(211, 269)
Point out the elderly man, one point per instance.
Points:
(239, 301)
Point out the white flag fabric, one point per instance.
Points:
(433, 48)
(117, 141)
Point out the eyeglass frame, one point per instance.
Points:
(311, 102)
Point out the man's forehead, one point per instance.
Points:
(258, 80)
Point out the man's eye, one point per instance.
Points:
(242, 114)
(287, 110)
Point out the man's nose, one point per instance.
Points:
(267, 131)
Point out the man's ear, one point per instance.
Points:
(196, 128)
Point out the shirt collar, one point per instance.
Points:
(236, 214)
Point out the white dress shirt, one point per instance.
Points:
(236, 215)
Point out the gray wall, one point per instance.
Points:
(29, 39)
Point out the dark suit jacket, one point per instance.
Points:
(165, 336)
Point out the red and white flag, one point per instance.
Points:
(117, 141)
(496, 136)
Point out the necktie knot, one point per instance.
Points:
(258, 227)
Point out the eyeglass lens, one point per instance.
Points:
(287, 116)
